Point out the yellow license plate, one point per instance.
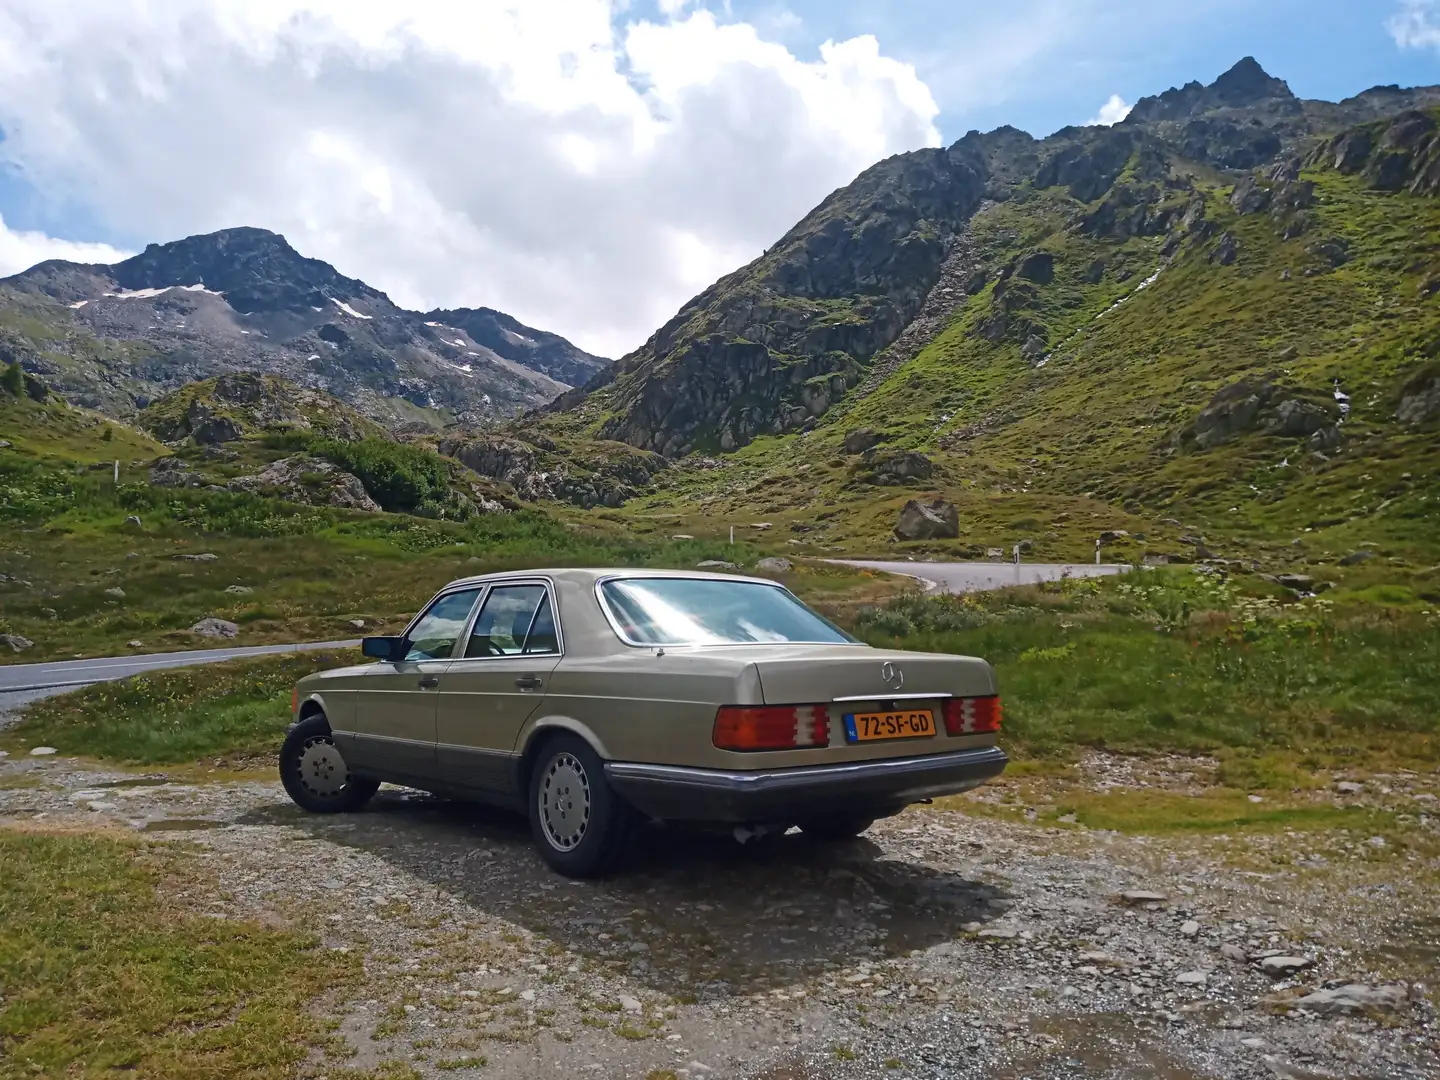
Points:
(904, 724)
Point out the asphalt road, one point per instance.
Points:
(26, 682)
(963, 577)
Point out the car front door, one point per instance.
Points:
(395, 702)
(495, 683)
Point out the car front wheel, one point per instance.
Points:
(314, 773)
(580, 826)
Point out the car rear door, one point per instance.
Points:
(495, 683)
(394, 729)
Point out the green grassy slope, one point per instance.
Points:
(1090, 440)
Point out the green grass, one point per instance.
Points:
(1175, 662)
(103, 975)
(235, 711)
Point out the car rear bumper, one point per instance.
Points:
(677, 793)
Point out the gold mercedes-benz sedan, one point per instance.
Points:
(597, 700)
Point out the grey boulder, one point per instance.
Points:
(932, 520)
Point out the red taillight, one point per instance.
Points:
(771, 727)
(294, 699)
(972, 715)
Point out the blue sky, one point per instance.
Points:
(1079, 52)
(585, 165)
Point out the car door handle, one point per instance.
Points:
(429, 682)
(527, 682)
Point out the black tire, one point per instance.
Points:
(314, 773)
(836, 828)
(580, 826)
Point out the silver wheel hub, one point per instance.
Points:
(322, 769)
(564, 798)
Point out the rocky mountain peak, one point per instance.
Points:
(1247, 83)
(255, 269)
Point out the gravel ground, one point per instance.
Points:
(939, 945)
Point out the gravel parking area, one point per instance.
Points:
(939, 945)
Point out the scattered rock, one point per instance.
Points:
(1232, 951)
(357, 624)
(16, 642)
(42, 751)
(1038, 266)
(1420, 399)
(1355, 998)
(116, 592)
(933, 520)
(1297, 582)
(1227, 251)
(133, 520)
(1143, 896)
(682, 536)
(1355, 558)
(239, 590)
(716, 564)
(1190, 929)
(896, 467)
(1191, 978)
(630, 1004)
(860, 440)
(212, 627)
(204, 556)
(1279, 967)
(999, 933)
(1249, 197)
(774, 565)
(5, 444)
(171, 472)
(135, 643)
(1109, 536)
(1349, 787)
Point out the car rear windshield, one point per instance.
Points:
(705, 611)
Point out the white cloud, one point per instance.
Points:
(20, 250)
(521, 154)
(1112, 112)
(1414, 25)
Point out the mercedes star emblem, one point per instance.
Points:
(893, 676)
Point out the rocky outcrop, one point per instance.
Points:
(932, 520)
(172, 472)
(1420, 398)
(228, 407)
(309, 480)
(1261, 406)
(895, 467)
(595, 474)
(1398, 154)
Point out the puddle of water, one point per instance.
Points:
(136, 781)
(180, 825)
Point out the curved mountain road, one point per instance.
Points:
(20, 683)
(963, 577)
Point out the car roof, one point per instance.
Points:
(590, 574)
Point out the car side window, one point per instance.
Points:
(542, 638)
(508, 620)
(434, 636)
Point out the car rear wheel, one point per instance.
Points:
(580, 826)
(314, 773)
(836, 827)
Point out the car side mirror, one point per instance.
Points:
(385, 648)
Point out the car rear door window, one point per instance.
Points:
(509, 619)
(433, 637)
